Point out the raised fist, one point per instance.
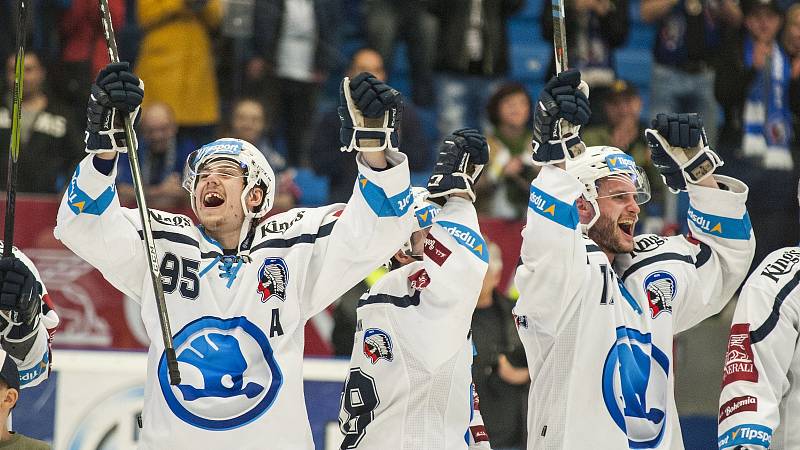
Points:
(459, 164)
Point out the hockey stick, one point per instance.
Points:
(144, 213)
(559, 36)
(13, 147)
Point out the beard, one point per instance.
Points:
(606, 234)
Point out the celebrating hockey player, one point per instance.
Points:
(410, 380)
(239, 288)
(760, 399)
(598, 306)
(27, 318)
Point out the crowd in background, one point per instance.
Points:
(268, 71)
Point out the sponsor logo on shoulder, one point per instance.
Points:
(737, 405)
(739, 361)
(661, 289)
(746, 434)
(648, 243)
(419, 280)
(783, 265)
(435, 250)
(377, 345)
(275, 226)
(171, 220)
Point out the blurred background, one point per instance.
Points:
(268, 71)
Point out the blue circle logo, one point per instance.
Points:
(229, 375)
(636, 388)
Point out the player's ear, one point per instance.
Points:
(585, 210)
(402, 258)
(255, 197)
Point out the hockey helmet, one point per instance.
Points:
(601, 162)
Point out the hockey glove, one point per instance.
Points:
(116, 91)
(370, 111)
(20, 292)
(679, 150)
(562, 108)
(459, 164)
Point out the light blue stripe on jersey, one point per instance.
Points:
(553, 209)
(80, 202)
(746, 434)
(381, 205)
(724, 227)
(28, 375)
(467, 238)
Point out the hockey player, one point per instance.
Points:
(27, 318)
(239, 288)
(598, 306)
(410, 380)
(760, 399)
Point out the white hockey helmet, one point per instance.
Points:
(424, 211)
(604, 162)
(256, 171)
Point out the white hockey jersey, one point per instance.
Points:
(410, 380)
(759, 406)
(238, 326)
(34, 368)
(598, 338)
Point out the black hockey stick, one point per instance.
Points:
(144, 213)
(13, 147)
(559, 36)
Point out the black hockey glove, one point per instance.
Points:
(116, 91)
(370, 111)
(679, 149)
(459, 164)
(562, 108)
(20, 292)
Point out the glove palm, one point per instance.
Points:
(370, 112)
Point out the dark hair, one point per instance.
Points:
(504, 90)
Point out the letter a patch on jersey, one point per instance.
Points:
(377, 345)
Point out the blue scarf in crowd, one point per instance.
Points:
(767, 119)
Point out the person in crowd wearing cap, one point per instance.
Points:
(9, 396)
(624, 129)
(757, 138)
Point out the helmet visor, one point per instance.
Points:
(624, 183)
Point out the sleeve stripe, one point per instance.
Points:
(724, 227)
(654, 259)
(553, 209)
(467, 238)
(745, 434)
(766, 328)
(80, 202)
(401, 302)
(380, 203)
(703, 256)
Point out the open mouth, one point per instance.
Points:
(212, 200)
(626, 226)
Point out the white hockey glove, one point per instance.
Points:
(562, 108)
(459, 164)
(116, 91)
(370, 111)
(679, 150)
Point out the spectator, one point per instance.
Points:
(325, 141)
(248, 122)
(162, 156)
(624, 130)
(510, 169)
(473, 57)
(596, 29)
(83, 48)
(9, 395)
(791, 44)
(177, 64)
(388, 20)
(50, 139)
(687, 40)
(293, 57)
(754, 90)
(502, 387)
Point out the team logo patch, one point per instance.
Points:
(419, 280)
(273, 277)
(661, 289)
(739, 363)
(229, 375)
(737, 405)
(377, 345)
(435, 250)
(635, 387)
(521, 321)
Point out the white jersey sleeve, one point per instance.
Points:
(34, 367)
(553, 255)
(760, 396)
